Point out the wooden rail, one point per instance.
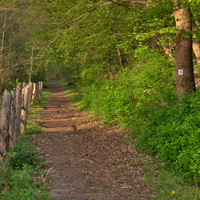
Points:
(14, 112)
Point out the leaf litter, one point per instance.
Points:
(85, 159)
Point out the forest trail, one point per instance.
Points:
(88, 161)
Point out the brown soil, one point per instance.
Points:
(85, 159)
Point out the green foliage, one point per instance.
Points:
(169, 185)
(22, 185)
(118, 100)
(24, 154)
(21, 174)
(93, 191)
(144, 98)
(171, 131)
(46, 84)
(33, 129)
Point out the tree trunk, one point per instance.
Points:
(2, 45)
(31, 66)
(183, 52)
(196, 44)
(5, 116)
(12, 119)
(120, 57)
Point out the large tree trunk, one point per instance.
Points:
(183, 52)
(196, 44)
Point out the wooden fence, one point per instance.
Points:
(14, 112)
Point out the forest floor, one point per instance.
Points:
(85, 159)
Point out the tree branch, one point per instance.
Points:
(87, 14)
(123, 5)
(95, 25)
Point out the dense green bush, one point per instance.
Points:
(172, 132)
(24, 154)
(33, 129)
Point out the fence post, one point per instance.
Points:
(37, 92)
(25, 109)
(40, 86)
(12, 119)
(22, 103)
(23, 84)
(30, 94)
(33, 93)
(18, 111)
(5, 115)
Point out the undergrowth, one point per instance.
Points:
(116, 100)
(169, 185)
(33, 123)
(22, 176)
(171, 131)
(143, 98)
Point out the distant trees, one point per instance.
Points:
(185, 24)
(18, 22)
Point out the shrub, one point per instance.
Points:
(172, 132)
(33, 129)
(23, 185)
(25, 154)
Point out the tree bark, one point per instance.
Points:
(12, 119)
(18, 111)
(25, 109)
(196, 44)
(5, 116)
(31, 66)
(183, 52)
(30, 86)
(120, 57)
(2, 45)
(33, 93)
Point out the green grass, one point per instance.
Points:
(76, 101)
(33, 122)
(75, 98)
(93, 191)
(169, 185)
(22, 172)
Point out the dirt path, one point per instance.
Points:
(87, 160)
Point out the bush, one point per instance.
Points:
(172, 132)
(25, 154)
(33, 129)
